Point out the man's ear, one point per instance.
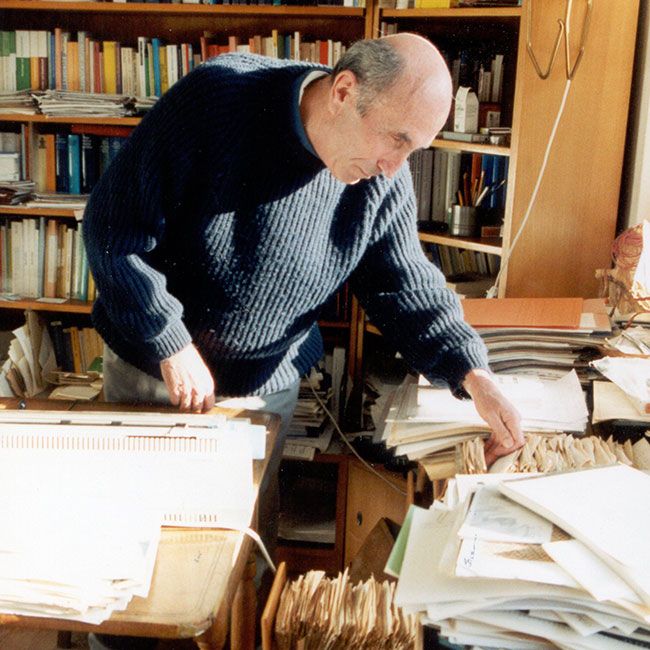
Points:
(344, 90)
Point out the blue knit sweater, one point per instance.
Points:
(216, 224)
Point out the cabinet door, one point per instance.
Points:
(370, 499)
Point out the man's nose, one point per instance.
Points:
(389, 165)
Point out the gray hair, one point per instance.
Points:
(376, 65)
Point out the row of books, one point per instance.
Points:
(65, 162)
(41, 59)
(44, 259)
(453, 261)
(76, 348)
(439, 177)
(72, 163)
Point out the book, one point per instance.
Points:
(74, 164)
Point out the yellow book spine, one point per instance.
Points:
(110, 66)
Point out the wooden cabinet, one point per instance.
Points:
(369, 499)
(573, 221)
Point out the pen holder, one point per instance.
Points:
(462, 221)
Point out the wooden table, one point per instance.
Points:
(202, 580)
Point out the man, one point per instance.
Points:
(250, 193)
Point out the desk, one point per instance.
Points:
(202, 579)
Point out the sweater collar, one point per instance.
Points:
(299, 86)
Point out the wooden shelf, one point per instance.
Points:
(461, 13)
(472, 147)
(253, 11)
(39, 212)
(80, 119)
(69, 307)
(491, 245)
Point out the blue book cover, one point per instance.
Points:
(115, 143)
(74, 163)
(487, 167)
(89, 162)
(62, 178)
(51, 61)
(157, 85)
(104, 155)
(498, 174)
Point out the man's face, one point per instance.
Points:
(378, 142)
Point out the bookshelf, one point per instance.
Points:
(573, 223)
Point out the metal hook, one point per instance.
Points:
(564, 28)
(529, 44)
(571, 71)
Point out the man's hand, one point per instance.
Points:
(188, 380)
(501, 416)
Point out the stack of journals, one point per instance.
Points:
(12, 102)
(65, 103)
(557, 560)
(544, 337)
(83, 537)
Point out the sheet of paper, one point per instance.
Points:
(578, 502)
(494, 518)
(589, 571)
(510, 562)
(630, 374)
(611, 403)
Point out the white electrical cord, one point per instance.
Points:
(347, 442)
(494, 289)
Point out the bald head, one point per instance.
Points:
(397, 67)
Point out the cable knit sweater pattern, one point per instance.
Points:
(216, 225)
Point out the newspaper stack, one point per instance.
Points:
(15, 192)
(19, 102)
(65, 103)
(552, 561)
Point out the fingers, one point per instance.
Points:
(188, 380)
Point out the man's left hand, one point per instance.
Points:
(498, 412)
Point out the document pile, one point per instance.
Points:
(83, 497)
(320, 612)
(558, 560)
(427, 422)
(556, 453)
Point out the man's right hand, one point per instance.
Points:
(188, 380)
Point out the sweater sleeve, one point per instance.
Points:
(127, 216)
(406, 298)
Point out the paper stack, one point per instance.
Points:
(545, 337)
(557, 560)
(427, 422)
(83, 496)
